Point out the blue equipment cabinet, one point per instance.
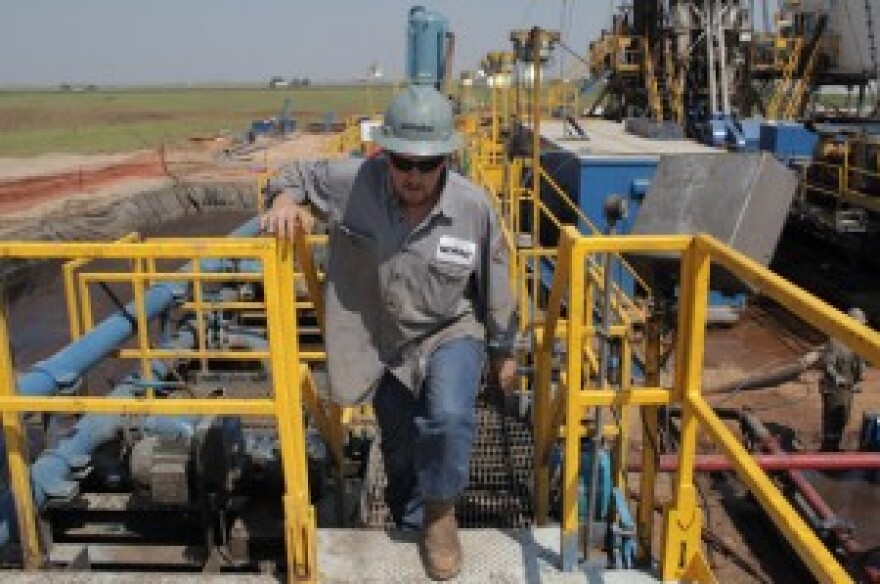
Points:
(788, 141)
(589, 181)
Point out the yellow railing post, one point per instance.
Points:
(620, 456)
(16, 452)
(574, 383)
(299, 520)
(142, 325)
(682, 520)
(73, 316)
(650, 447)
(543, 432)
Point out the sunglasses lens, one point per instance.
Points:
(424, 165)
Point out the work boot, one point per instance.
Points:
(439, 544)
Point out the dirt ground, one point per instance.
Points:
(28, 183)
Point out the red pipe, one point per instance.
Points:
(850, 545)
(796, 461)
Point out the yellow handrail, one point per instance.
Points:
(681, 555)
(289, 377)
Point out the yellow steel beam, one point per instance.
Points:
(173, 276)
(322, 420)
(216, 248)
(224, 305)
(300, 535)
(635, 243)
(573, 413)
(862, 339)
(142, 327)
(243, 355)
(313, 284)
(682, 519)
(16, 451)
(650, 450)
(643, 396)
(542, 415)
(126, 406)
(808, 546)
(198, 307)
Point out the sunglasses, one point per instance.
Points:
(424, 165)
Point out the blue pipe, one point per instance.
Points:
(65, 367)
(51, 473)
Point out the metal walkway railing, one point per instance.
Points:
(290, 380)
(581, 388)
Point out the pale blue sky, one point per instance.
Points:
(155, 41)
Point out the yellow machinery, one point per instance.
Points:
(844, 171)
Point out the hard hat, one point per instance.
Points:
(858, 314)
(419, 123)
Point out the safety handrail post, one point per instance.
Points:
(575, 382)
(278, 272)
(142, 325)
(682, 520)
(650, 448)
(199, 308)
(74, 319)
(16, 451)
(543, 433)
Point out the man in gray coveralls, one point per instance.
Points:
(417, 287)
(842, 373)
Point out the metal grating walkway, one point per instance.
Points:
(373, 556)
(493, 556)
(499, 492)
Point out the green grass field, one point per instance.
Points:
(114, 120)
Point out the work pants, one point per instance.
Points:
(836, 407)
(427, 438)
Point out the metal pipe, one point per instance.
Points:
(51, 472)
(755, 428)
(65, 367)
(850, 545)
(722, 58)
(825, 461)
(710, 54)
(771, 378)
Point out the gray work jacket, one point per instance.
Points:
(392, 294)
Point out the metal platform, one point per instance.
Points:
(490, 555)
(607, 138)
(66, 577)
(374, 556)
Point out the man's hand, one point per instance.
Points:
(285, 217)
(504, 372)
